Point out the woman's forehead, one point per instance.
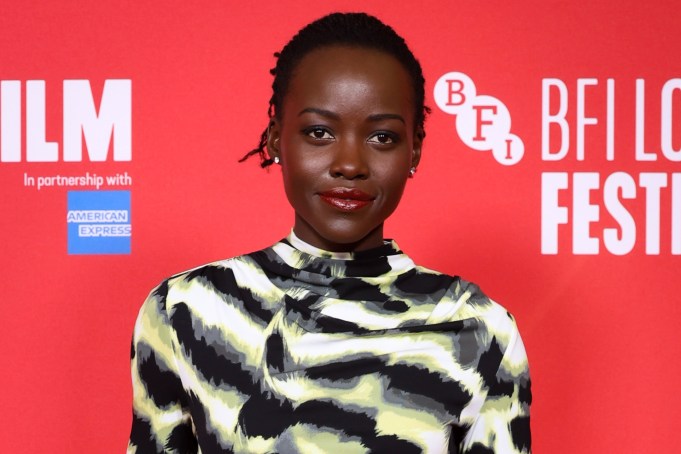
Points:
(343, 74)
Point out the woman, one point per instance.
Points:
(331, 340)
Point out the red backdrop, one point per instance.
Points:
(600, 326)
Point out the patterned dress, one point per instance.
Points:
(292, 349)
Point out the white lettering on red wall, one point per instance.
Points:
(102, 127)
(589, 212)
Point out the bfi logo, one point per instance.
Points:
(482, 122)
(81, 119)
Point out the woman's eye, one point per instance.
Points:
(319, 134)
(382, 138)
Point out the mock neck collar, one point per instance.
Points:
(386, 259)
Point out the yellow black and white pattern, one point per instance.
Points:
(296, 350)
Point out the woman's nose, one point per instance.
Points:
(350, 161)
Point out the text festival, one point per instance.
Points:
(588, 187)
(580, 202)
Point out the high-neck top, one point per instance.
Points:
(297, 349)
(386, 259)
(373, 289)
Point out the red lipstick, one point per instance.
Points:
(346, 199)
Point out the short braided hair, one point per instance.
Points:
(340, 29)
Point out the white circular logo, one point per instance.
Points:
(483, 122)
(454, 92)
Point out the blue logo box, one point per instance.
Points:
(98, 222)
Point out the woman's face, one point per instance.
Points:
(346, 138)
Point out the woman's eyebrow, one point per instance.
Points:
(385, 116)
(335, 116)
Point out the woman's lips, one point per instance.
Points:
(346, 199)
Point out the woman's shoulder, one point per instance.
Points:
(465, 300)
(224, 276)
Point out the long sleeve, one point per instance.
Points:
(161, 423)
(503, 423)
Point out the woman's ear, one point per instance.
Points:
(273, 136)
(418, 143)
